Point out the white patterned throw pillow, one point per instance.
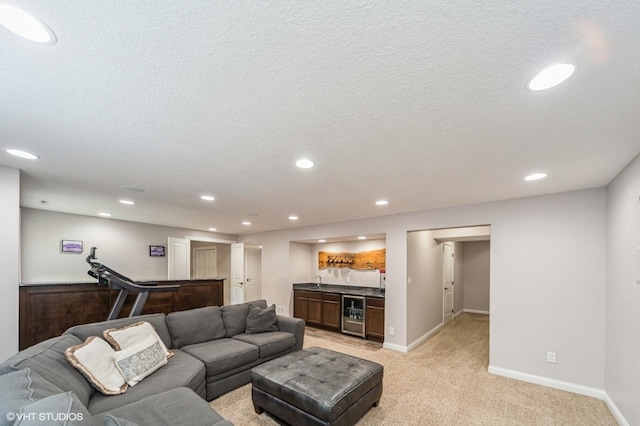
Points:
(125, 337)
(94, 359)
(138, 361)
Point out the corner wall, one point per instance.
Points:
(622, 367)
(9, 259)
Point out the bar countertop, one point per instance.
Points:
(340, 289)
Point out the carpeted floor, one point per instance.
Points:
(442, 382)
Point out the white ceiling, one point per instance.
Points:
(422, 103)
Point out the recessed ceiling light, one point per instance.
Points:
(212, 229)
(322, 241)
(304, 163)
(22, 154)
(105, 214)
(127, 202)
(25, 25)
(362, 238)
(536, 176)
(246, 222)
(382, 202)
(551, 76)
(207, 197)
(293, 217)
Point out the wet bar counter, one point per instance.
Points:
(321, 306)
(341, 289)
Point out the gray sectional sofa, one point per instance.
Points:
(214, 351)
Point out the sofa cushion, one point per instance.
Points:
(20, 388)
(48, 360)
(97, 328)
(260, 319)
(223, 354)
(94, 359)
(269, 343)
(110, 420)
(235, 316)
(64, 409)
(174, 407)
(181, 370)
(140, 360)
(132, 334)
(195, 326)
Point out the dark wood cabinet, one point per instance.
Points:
(374, 318)
(307, 305)
(47, 310)
(324, 310)
(331, 310)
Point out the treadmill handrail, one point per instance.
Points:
(118, 281)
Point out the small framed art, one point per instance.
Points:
(156, 251)
(71, 246)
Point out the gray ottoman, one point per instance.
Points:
(317, 386)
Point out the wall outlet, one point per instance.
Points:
(280, 310)
(409, 280)
(551, 357)
(348, 279)
(392, 331)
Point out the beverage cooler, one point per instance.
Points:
(353, 315)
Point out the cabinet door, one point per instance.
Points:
(374, 318)
(300, 308)
(314, 311)
(331, 312)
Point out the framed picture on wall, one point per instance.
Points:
(71, 246)
(156, 251)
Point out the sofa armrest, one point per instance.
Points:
(294, 326)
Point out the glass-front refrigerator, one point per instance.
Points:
(353, 315)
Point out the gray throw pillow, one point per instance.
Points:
(235, 316)
(260, 319)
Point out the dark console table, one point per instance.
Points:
(47, 310)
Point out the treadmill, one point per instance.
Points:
(116, 281)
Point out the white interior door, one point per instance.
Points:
(253, 274)
(237, 273)
(179, 259)
(205, 263)
(448, 282)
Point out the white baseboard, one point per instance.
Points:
(615, 411)
(475, 311)
(394, 347)
(565, 386)
(414, 344)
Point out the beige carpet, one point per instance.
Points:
(442, 382)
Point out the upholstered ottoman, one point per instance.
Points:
(317, 386)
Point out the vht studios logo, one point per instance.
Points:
(45, 417)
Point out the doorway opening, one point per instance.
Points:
(448, 274)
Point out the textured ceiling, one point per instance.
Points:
(423, 103)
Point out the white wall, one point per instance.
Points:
(476, 275)
(425, 267)
(302, 257)
(122, 245)
(547, 277)
(9, 259)
(622, 370)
